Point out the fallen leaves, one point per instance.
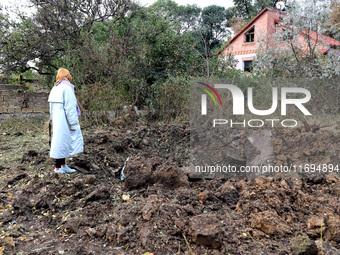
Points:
(202, 197)
(8, 240)
(63, 236)
(126, 197)
(2, 248)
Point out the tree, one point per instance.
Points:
(2, 19)
(237, 23)
(168, 47)
(188, 17)
(333, 27)
(248, 9)
(56, 27)
(259, 5)
(244, 8)
(2, 32)
(210, 33)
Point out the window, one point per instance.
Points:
(287, 35)
(247, 65)
(250, 35)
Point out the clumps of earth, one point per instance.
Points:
(161, 207)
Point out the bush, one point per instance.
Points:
(171, 99)
(99, 101)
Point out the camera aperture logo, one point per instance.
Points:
(238, 105)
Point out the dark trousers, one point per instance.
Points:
(59, 162)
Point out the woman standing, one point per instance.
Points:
(67, 139)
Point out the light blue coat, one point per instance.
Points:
(63, 113)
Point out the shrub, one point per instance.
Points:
(171, 99)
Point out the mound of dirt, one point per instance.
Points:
(159, 209)
(141, 173)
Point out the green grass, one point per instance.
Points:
(18, 136)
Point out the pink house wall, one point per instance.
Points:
(265, 25)
(245, 51)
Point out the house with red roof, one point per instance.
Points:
(244, 46)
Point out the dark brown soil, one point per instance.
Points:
(160, 208)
